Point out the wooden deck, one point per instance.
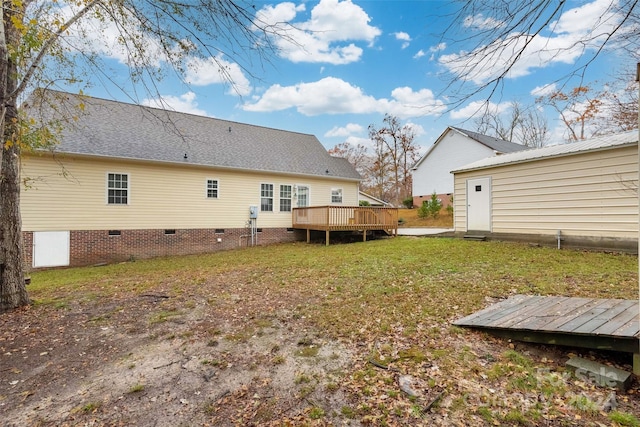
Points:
(604, 324)
(346, 218)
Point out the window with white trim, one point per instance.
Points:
(117, 188)
(212, 189)
(285, 198)
(266, 197)
(336, 195)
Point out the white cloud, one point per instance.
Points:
(344, 131)
(216, 71)
(564, 41)
(404, 37)
(185, 103)
(544, 90)
(331, 95)
(420, 54)
(401, 35)
(417, 129)
(480, 22)
(477, 108)
(282, 12)
(328, 35)
(437, 48)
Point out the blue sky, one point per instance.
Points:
(357, 60)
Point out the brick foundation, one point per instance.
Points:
(93, 247)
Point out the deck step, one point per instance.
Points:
(477, 237)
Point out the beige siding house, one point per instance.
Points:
(583, 194)
(130, 182)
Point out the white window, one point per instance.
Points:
(285, 198)
(212, 189)
(266, 197)
(117, 188)
(336, 195)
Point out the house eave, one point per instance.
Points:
(196, 165)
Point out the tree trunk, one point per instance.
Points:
(13, 292)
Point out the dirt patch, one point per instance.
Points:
(141, 361)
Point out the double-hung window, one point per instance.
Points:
(266, 197)
(285, 198)
(336, 195)
(212, 189)
(117, 188)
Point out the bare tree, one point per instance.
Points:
(44, 42)
(357, 155)
(577, 108)
(379, 172)
(522, 125)
(621, 103)
(396, 152)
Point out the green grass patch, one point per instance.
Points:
(163, 316)
(137, 388)
(316, 412)
(624, 419)
(415, 354)
(307, 350)
(91, 407)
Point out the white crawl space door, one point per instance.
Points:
(50, 248)
(479, 204)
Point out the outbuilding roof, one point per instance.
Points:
(112, 129)
(594, 144)
(498, 145)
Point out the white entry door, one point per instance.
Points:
(479, 204)
(50, 248)
(303, 196)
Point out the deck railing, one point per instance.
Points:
(346, 218)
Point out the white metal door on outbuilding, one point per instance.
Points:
(50, 249)
(479, 204)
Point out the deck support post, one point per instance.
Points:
(364, 235)
(308, 235)
(326, 237)
(636, 364)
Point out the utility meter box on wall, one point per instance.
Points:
(253, 212)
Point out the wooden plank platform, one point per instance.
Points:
(604, 324)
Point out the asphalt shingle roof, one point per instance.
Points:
(594, 144)
(127, 131)
(496, 144)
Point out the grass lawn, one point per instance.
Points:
(301, 334)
